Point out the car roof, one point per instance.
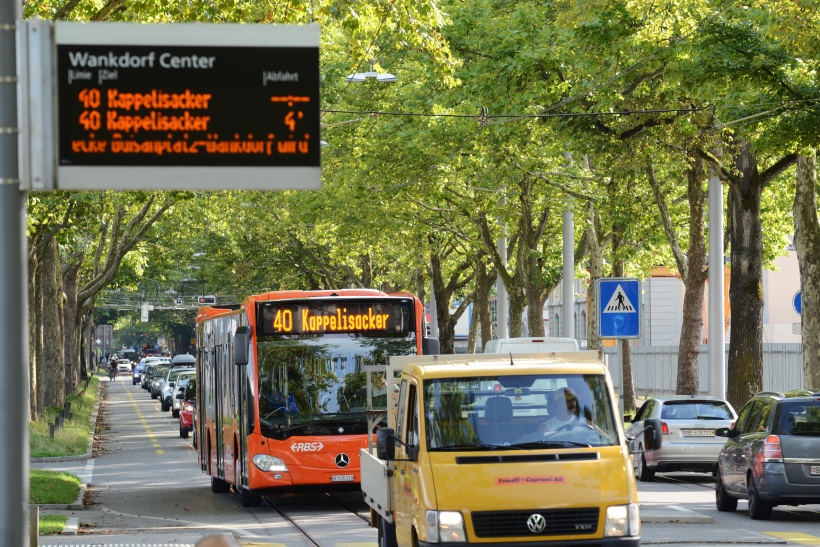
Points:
(692, 398)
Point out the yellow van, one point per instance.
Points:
(495, 450)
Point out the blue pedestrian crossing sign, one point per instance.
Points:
(619, 307)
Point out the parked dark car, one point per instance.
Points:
(186, 413)
(772, 455)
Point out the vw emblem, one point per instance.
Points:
(536, 523)
(343, 459)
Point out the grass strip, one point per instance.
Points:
(51, 524)
(52, 487)
(72, 438)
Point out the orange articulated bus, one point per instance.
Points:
(282, 391)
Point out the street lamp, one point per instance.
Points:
(379, 77)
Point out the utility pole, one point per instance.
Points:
(14, 390)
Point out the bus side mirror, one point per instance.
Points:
(385, 444)
(241, 342)
(430, 346)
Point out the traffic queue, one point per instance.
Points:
(172, 381)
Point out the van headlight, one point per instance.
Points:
(622, 520)
(445, 527)
(269, 463)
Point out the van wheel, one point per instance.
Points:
(175, 413)
(723, 500)
(643, 472)
(758, 508)
(387, 534)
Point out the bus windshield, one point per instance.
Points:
(314, 384)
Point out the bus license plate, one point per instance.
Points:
(698, 432)
(814, 471)
(341, 478)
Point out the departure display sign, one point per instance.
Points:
(198, 102)
(323, 317)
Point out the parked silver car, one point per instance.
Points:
(689, 442)
(170, 382)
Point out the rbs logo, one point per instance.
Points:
(307, 447)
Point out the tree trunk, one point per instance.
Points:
(745, 372)
(53, 346)
(694, 281)
(71, 328)
(807, 243)
(484, 283)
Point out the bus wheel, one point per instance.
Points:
(246, 498)
(218, 486)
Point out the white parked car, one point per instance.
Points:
(168, 386)
(179, 390)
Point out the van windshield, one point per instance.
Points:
(520, 412)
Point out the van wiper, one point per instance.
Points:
(550, 444)
(469, 447)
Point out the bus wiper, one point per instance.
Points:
(551, 444)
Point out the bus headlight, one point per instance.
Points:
(445, 527)
(622, 520)
(269, 463)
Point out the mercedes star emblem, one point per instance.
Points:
(342, 460)
(536, 523)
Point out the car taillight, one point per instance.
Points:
(187, 407)
(771, 449)
(664, 428)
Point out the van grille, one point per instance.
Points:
(492, 524)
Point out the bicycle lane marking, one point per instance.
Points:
(151, 436)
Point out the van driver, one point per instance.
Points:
(564, 409)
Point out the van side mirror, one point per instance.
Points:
(385, 444)
(430, 346)
(241, 343)
(652, 434)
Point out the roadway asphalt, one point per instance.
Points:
(656, 514)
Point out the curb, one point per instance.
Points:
(664, 514)
(72, 526)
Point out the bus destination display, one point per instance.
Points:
(177, 105)
(329, 318)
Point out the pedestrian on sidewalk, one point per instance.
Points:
(217, 540)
